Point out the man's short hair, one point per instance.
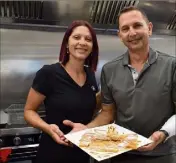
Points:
(132, 8)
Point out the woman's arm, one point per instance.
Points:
(33, 102)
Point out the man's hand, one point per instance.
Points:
(157, 137)
(75, 126)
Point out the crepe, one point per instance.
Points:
(108, 140)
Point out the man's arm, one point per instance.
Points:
(105, 105)
(107, 113)
(170, 125)
(105, 116)
(98, 104)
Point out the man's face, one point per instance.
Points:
(134, 30)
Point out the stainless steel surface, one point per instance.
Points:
(102, 14)
(16, 113)
(18, 131)
(22, 146)
(1, 142)
(22, 153)
(27, 161)
(25, 52)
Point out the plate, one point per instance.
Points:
(107, 141)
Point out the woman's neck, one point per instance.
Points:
(75, 66)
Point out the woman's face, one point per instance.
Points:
(80, 43)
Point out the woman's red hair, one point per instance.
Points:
(92, 59)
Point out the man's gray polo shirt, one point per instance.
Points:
(145, 106)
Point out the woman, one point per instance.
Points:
(68, 89)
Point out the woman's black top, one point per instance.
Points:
(65, 99)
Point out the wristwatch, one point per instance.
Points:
(165, 133)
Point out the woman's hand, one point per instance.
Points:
(57, 135)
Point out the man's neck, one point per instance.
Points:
(139, 57)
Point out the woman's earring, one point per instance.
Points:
(67, 50)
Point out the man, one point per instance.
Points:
(139, 92)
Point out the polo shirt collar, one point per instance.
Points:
(153, 55)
